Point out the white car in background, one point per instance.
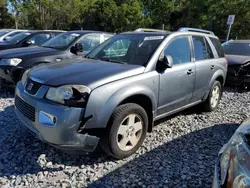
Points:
(5, 34)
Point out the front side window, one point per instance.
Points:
(202, 50)
(39, 39)
(90, 41)
(179, 50)
(128, 48)
(63, 40)
(15, 39)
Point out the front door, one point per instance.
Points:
(177, 82)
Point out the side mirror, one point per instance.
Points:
(28, 43)
(79, 47)
(7, 38)
(167, 60)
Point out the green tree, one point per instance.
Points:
(6, 19)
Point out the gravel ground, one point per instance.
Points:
(180, 152)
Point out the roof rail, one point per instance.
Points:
(195, 30)
(149, 30)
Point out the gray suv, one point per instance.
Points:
(114, 95)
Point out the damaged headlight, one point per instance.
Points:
(226, 154)
(70, 95)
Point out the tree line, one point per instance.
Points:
(127, 15)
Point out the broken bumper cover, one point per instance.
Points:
(11, 74)
(238, 75)
(238, 81)
(54, 124)
(232, 168)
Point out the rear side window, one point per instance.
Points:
(90, 41)
(218, 47)
(202, 50)
(210, 54)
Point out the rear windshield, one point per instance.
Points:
(15, 39)
(237, 49)
(3, 33)
(218, 47)
(127, 49)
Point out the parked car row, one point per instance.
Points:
(50, 46)
(88, 90)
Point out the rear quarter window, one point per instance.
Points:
(218, 47)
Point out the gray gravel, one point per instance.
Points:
(180, 152)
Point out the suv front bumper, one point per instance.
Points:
(53, 123)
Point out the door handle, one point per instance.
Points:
(190, 71)
(212, 67)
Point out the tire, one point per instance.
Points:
(210, 103)
(126, 131)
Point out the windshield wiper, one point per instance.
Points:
(112, 61)
(91, 57)
(48, 47)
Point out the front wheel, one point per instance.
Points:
(126, 131)
(214, 97)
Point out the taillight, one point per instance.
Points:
(226, 63)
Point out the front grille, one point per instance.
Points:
(32, 87)
(26, 109)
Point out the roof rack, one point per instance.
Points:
(195, 30)
(149, 30)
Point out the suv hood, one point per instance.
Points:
(92, 73)
(237, 59)
(22, 52)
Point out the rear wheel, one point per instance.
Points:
(214, 97)
(126, 131)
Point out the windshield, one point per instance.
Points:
(3, 33)
(62, 40)
(237, 49)
(15, 39)
(128, 49)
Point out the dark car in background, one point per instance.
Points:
(29, 38)
(232, 167)
(238, 56)
(66, 46)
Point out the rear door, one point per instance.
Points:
(205, 66)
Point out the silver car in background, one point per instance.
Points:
(6, 34)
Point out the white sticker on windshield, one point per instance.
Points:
(154, 38)
(75, 34)
(27, 33)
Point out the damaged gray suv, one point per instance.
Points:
(113, 96)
